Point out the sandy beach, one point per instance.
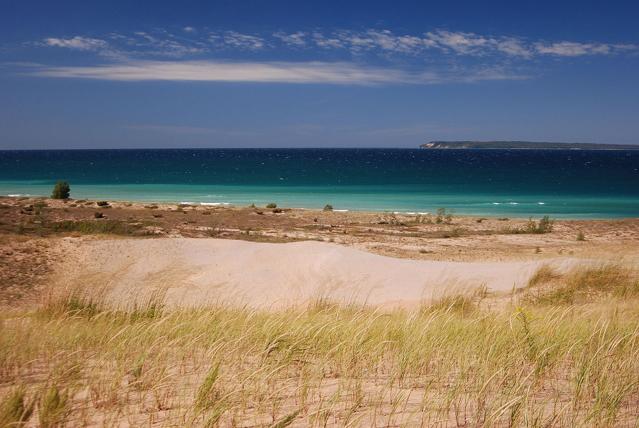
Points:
(131, 314)
(196, 255)
(190, 272)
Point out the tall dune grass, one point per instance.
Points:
(550, 363)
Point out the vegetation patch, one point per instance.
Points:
(61, 190)
(587, 284)
(114, 227)
(229, 366)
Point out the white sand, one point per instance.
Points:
(193, 272)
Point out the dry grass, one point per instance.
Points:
(75, 361)
(543, 275)
(583, 285)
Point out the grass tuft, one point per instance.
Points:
(543, 275)
(52, 410)
(15, 409)
(591, 283)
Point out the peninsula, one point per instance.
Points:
(525, 145)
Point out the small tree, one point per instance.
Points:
(61, 190)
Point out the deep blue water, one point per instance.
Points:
(561, 183)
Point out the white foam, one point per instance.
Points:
(214, 204)
(18, 195)
(541, 203)
(341, 211)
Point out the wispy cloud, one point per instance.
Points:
(297, 39)
(195, 54)
(191, 42)
(77, 42)
(269, 72)
(235, 40)
(571, 49)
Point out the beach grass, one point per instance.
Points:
(453, 362)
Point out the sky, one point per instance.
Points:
(189, 74)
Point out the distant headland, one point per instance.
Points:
(524, 145)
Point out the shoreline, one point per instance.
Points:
(405, 212)
(168, 205)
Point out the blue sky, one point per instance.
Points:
(123, 74)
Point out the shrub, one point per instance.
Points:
(98, 215)
(102, 203)
(444, 216)
(271, 205)
(545, 225)
(581, 236)
(61, 190)
(328, 207)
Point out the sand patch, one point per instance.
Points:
(194, 272)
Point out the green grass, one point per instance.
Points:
(457, 360)
(52, 409)
(15, 409)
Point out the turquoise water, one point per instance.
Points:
(563, 184)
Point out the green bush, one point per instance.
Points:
(328, 207)
(271, 205)
(544, 225)
(61, 190)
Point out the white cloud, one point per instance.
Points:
(327, 42)
(268, 72)
(513, 47)
(164, 44)
(78, 42)
(574, 49)
(236, 40)
(458, 43)
(462, 43)
(297, 39)
(190, 42)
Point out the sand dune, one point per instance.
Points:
(193, 272)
